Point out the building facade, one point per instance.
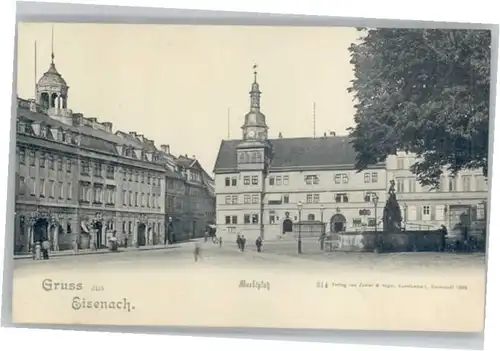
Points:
(263, 186)
(459, 199)
(78, 182)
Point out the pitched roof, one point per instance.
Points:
(295, 153)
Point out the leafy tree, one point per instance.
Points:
(424, 91)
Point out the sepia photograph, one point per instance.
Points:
(251, 176)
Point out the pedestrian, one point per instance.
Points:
(243, 243)
(220, 241)
(258, 243)
(238, 241)
(197, 252)
(443, 235)
(322, 241)
(45, 249)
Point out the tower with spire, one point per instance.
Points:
(255, 127)
(254, 149)
(52, 91)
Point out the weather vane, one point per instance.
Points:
(255, 71)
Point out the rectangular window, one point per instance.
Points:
(136, 199)
(285, 180)
(286, 199)
(467, 183)
(356, 222)
(367, 177)
(255, 180)
(480, 183)
(234, 181)
(272, 219)
(42, 160)
(42, 187)
(60, 164)
(311, 179)
(70, 191)
(271, 180)
(400, 163)
(68, 165)
(234, 219)
(61, 190)
(309, 198)
(412, 185)
(97, 170)
(255, 198)
(235, 199)
(316, 198)
(22, 156)
(278, 180)
(338, 178)
(246, 180)
(400, 185)
(374, 177)
(452, 184)
(246, 199)
(246, 219)
(228, 219)
(110, 172)
(426, 213)
(32, 158)
(341, 197)
(21, 185)
(228, 200)
(33, 186)
(227, 181)
(124, 197)
(345, 179)
(255, 219)
(85, 167)
(51, 161)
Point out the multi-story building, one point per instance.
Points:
(189, 197)
(263, 186)
(458, 200)
(80, 182)
(260, 182)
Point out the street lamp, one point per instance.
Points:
(375, 202)
(405, 212)
(322, 239)
(299, 242)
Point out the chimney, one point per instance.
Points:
(280, 136)
(165, 148)
(108, 126)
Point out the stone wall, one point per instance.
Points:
(387, 242)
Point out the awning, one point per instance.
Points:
(212, 226)
(84, 227)
(274, 197)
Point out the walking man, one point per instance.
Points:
(258, 243)
(197, 252)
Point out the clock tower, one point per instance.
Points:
(254, 151)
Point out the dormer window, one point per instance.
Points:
(43, 131)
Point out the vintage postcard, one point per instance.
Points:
(251, 176)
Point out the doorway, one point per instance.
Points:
(40, 230)
(337, 223)
(141, 234)
(98, 239)
(287, 226)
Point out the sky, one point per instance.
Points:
(187, 86)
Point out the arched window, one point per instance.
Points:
(310, 217)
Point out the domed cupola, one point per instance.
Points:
(52, 89)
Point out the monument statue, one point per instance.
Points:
(392, 212)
